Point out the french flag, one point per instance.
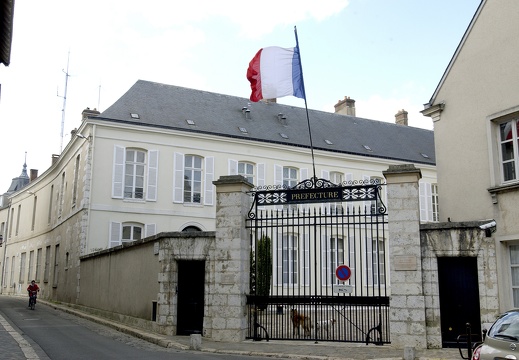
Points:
(275, 72)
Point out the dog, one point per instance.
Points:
(300, 320)
(326, 325)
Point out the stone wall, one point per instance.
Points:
(121, 280)
(175, 246)
(454, 240)
(226, 254)
(413, 248)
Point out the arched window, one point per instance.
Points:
(191, 229)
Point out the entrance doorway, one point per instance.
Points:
(190, 309)
(459, 298)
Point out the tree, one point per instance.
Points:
(261, 267)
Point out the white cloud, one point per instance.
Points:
(379, 108)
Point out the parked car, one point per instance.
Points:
(501, 340)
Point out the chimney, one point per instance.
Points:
(345, 106)
(88, 113)
(401, 117)
(34, 175)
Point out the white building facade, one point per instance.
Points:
(147, 164)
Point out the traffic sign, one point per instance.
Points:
(343, 272)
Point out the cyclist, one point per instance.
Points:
(33, 289)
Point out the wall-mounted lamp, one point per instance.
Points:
(489, 228)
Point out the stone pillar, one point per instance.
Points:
(227, 307)
(407, 316)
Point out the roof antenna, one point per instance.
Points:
(64, 104)
(99, 98)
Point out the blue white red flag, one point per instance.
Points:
(275, 72)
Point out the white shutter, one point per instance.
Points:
(278, 175)
(153, 175)
(366, 204)
(118, 172)
(306, 259)
(428, 194)
(261, 174)
(369, 260)
(325, 253)
(233, 167)
(425, 201)
(352, 259)
(325, 174)
(303, 175)
(348, 178)
(115, 233)
(150, 230)
(209, 177)
(325, 207)
(278, 260)
(278, 180)
(178, 178)
(260, 179)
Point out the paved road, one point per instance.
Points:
(46, 333)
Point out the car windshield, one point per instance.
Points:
(506, 327)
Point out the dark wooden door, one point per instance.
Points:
(190, 309)
(459, 298)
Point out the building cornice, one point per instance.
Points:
(434, 111)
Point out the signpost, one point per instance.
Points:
(343, 273)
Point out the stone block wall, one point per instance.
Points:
(407, 303)
(226, 253)
(457, 240)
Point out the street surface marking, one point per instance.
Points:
(27, 349)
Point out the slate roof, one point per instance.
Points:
(19, 182)
(167, 106)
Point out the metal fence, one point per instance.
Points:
(319, 262)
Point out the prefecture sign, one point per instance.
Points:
(343, 272)
(314, 195)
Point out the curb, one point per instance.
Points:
(163, 341)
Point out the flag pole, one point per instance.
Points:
(306, 105)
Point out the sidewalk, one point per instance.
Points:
(273, 348)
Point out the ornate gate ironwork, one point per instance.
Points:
(299, 238)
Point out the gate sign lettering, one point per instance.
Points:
(343, 272)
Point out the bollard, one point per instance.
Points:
(195, 342)
(409, 353)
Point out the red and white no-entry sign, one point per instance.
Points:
(343, 272)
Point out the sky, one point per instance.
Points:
(66, 56)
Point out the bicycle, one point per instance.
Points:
(32, 300)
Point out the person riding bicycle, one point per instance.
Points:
(33, 289)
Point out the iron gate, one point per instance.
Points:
(319, 262)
